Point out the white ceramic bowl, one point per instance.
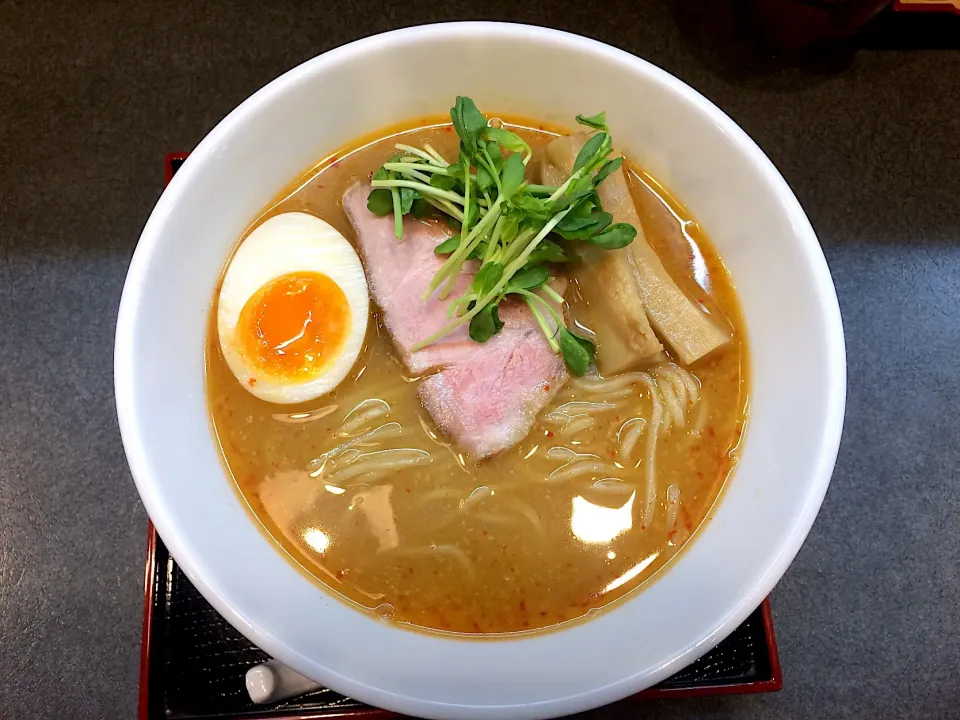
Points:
(793, 321)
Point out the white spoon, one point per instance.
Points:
(273, 681)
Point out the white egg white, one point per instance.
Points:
(289, 243)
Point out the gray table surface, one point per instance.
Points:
(91, 98)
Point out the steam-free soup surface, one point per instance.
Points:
(519, 541)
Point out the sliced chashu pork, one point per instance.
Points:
(485, 396)
(490, 399)
(681, 322)
(398, 273)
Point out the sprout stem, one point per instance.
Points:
(422, 187)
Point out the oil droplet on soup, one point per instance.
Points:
(551, 530)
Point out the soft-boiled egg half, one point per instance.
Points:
(293, 309)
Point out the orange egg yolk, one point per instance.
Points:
(294, 326)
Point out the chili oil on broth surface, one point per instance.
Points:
(506, 544)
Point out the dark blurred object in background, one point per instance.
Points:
(752, 41)
(796, 24)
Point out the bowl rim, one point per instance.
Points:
(835, 367)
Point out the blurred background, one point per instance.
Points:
(858, 105)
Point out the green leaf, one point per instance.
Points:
(586, 344)
(575, 223)
(457, 121)
(583, 208)
(529, 278)
(382, 173)
(549, 251)
(575, 192)
(511, 225)
(608, 167)
(443, 182)
(469, 123)
(474, 213)
(447, 246)
(484, 178)
(420, 208)
(597, 122)
(486, 278)
(380, 202)
(535, 207)
(577, 352)
(407, 196)
(478, 251)
(493, 150)
(486, 323)
(590, 148)
(582, 228)
(511, 141)
(614, 237)
(512, 176)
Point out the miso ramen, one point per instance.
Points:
(518, 470)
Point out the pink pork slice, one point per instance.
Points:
(486, 396)
(399, 273)
(489, 400)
